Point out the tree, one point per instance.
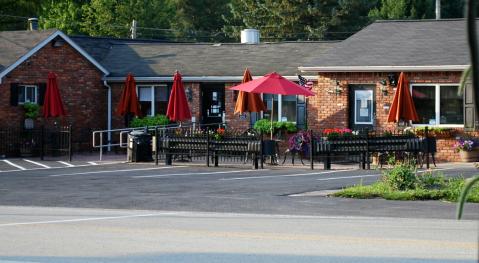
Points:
(350, 16)
(64, 15)
(114, 17)
(14, 14)
(281, 19)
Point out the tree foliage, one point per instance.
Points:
(217, 20)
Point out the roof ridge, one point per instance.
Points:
(418, 20)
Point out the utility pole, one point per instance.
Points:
(438, 9)
(133, 29)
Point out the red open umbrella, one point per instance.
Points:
(247, 101)
(403, 106)
(129, 100)
(273, 83)
(178, 109)
(52, 105)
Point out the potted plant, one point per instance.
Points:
(467, 150)
(32, 111)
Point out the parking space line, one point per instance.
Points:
(116, 171)
(282, 175)
(15, 165)
(168, 175)
(66, 164)
(37, 163)
(92, 163)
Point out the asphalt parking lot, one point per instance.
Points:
(274, 190)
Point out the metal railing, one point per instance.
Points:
(102, 139)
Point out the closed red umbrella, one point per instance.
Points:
(402, 107)
(129, 100)
(52, 105)
(273, 83)
(247, 101)
(178, 109)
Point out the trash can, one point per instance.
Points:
(139, 147)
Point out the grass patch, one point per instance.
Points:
(426, 187)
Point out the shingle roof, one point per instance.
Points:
(162, 59)
(401, 43)
(15, 44)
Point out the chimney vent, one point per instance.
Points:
(33, 24)
(250, 36)
(438, 9)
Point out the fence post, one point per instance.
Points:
(426, 134)
(261, 148)
(368, 164)
(156, 145)
(70, 152)
(42, 142)
(311, 147)
(101, 146)
(207, 148)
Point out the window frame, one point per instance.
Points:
(280, 106)
(25, 86)
(152, 101)
(437, 105)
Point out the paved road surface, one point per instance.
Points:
(92, 235)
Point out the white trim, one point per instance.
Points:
(25, 86)
(383, 68)
(437, 106)
(44, 43)
(201, 78)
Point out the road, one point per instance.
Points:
(92, 235)
(144, 213)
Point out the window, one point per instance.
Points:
(27, 93)
(153, 99)
(284, 107)
(438, 104)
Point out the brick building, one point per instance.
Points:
(91, 72)
(356, 78)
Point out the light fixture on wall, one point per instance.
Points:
(189, 93)
(384, 87)
(392, 79)
(337, 88)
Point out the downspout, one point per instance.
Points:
(108, 124)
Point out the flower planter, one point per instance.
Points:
(469, 156)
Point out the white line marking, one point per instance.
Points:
(115, 171)
(282, 175)
(15, 165)
(87, 219)
(35, 169)
(166, 175)
(348, 177)
(37, 163)
(92, 163)
(66, 164)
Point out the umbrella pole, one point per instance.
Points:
(272, 113)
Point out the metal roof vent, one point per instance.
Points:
(249, 36)
(33, 24)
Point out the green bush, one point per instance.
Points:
(401, 177)
(264, 126)
(157, 120)
(429, 180)
(32, 110)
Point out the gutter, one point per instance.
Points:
(383, 68)
(198, 78)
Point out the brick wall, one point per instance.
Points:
(234, 121)
(79, 82)
(330, 110)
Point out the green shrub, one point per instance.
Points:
(32, 110)
(264, 126)
(401, 177)
(429, 180)
(157, 120)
